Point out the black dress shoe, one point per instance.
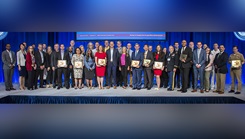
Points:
(12, 88)
(54, 86)
(7, 89)
(35, 88)
(179, 90)
(67, 87)
(231, 91)
(133, 88)
(138, 88)
(58, 88)
(41, 87)
(183, 91)
(148, 88)
(238, 93)
(169, 89)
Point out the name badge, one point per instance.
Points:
(168, 59)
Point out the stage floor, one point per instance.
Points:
(119, 92)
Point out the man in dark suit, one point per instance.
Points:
(62, 55)
(8, 58)
(148, 55)
(137, 71)
(177, 51)
(40, 61)
(112, 56)
(220, 65)
(70, 73)
(185, 65)
(199, 59)
(54, 64)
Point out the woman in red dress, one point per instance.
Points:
(30, 67)
(100, 69)
(159, 57)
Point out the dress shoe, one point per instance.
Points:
(7, 89)
(41, 87)
(221, 92)
(179, 90)
(138, 88)
(58, 88)
(12, 88)
(69, 87)
(183, 91)
(115, 87)
(107, 87)
(216, 91)
(231, 91)
(133, 88)
(35, 87)
(238, 93)
(169, 89)
(148, 88)
(202, 91)
(194, 91)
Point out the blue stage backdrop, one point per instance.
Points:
(50, 38)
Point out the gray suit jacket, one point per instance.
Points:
(6, 59)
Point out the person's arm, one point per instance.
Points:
(194, 58)
(73, 60)
(14, 60)
(189, 56)
(141, 59)
(152, 60)
(242, 59)
(176, 61)
(230, 59)
(202, 63)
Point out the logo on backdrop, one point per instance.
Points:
(3, 35)
(240, 35)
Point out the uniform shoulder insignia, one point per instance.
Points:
(172, 54)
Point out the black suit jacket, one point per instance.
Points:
(38, 59)
(127, 62)
(115, 57)
(66, 57)
(187, 63)
(150, 57)
(221, 63)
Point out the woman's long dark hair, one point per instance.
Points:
(91, 55)
(161, 54)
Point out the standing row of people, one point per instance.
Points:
(179, 67)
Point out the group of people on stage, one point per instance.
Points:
(173, 68)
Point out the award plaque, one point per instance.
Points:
(236, 63)
(101, 62)
(158, 65)
(147, 61)
(135, 63)
(183, 57)
(62, 63)
(78, 64)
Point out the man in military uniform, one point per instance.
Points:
(171, 65)
(177, 73)
(236, 71)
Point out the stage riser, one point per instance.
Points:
(118, 100)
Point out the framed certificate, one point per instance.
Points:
(236, 63)
(78, 64)
(147, 61)
(183, 56)
(135, 63)
(62, 63)
(158, 65)
(101, 62)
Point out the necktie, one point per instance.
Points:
(136, 53)
(41, 55)
(145, 54)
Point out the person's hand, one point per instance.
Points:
(91, 69)
(138, 67)
(174, 70)
(58, 66)
(147, 65)
(53, 68)
(70, 66)
(98, 66)
(183, 60)
(19, 68)
(104, 65)
(154, 67)
(166, 70)
(48, 68)
(120, 69)
(128, 68)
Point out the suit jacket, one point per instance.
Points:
(38, 59)
(187, 63)
(202, 58)
(161, 58)
(53, 61)
(6, 59)
(150, 57)
(171, 61)
(66, 57)
(221, 63)
(115, 56)
(127, 60)
(139, 57)
(48, 60)
(28, 62)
